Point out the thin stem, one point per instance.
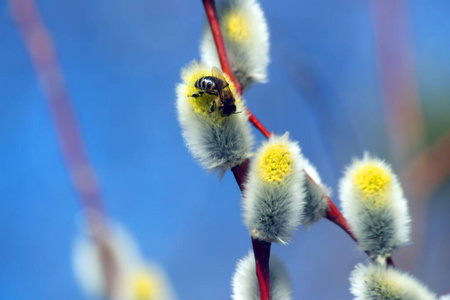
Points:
(214, 23)
(258, 125)
(261, 251)
(42, 53)
(211, 13)
(390, 262)
(240, 172)
(334, 215)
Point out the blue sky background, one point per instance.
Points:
(121, 61)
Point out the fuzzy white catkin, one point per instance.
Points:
(217, 143)
(245, 283)
(375, 207)
(132, 274)
(273, 209)
(87, 263)
(445, 297)
(316, 202)
(246, 38)
(386, 283)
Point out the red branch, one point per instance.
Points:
(240, 173)
(211, 13)
(261, 249)
(258, 125)
(335, 216)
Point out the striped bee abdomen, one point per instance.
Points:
(206, 83)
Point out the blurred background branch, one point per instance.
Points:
(41, 50)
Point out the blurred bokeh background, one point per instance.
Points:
(346, 77)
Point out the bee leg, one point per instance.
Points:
(200, 93)
(212, 108)
(214, 93)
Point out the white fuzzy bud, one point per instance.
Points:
(245, 283)
(374, 205)
(217, 142)
(274, 191)
(316, 202)
(246, 38)
(133, 278)
(386, 283)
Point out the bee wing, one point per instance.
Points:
(216, 72)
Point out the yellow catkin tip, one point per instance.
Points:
(145, 286)
(202, 104)
(236, 26)
(276, 163)
(373, 181)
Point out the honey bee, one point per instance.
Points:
(218, 86)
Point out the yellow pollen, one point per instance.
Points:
(236, 26)
(145, 286)
(202, 104)
(275, 163)
(373, 181)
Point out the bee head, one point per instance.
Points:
(228, 110)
